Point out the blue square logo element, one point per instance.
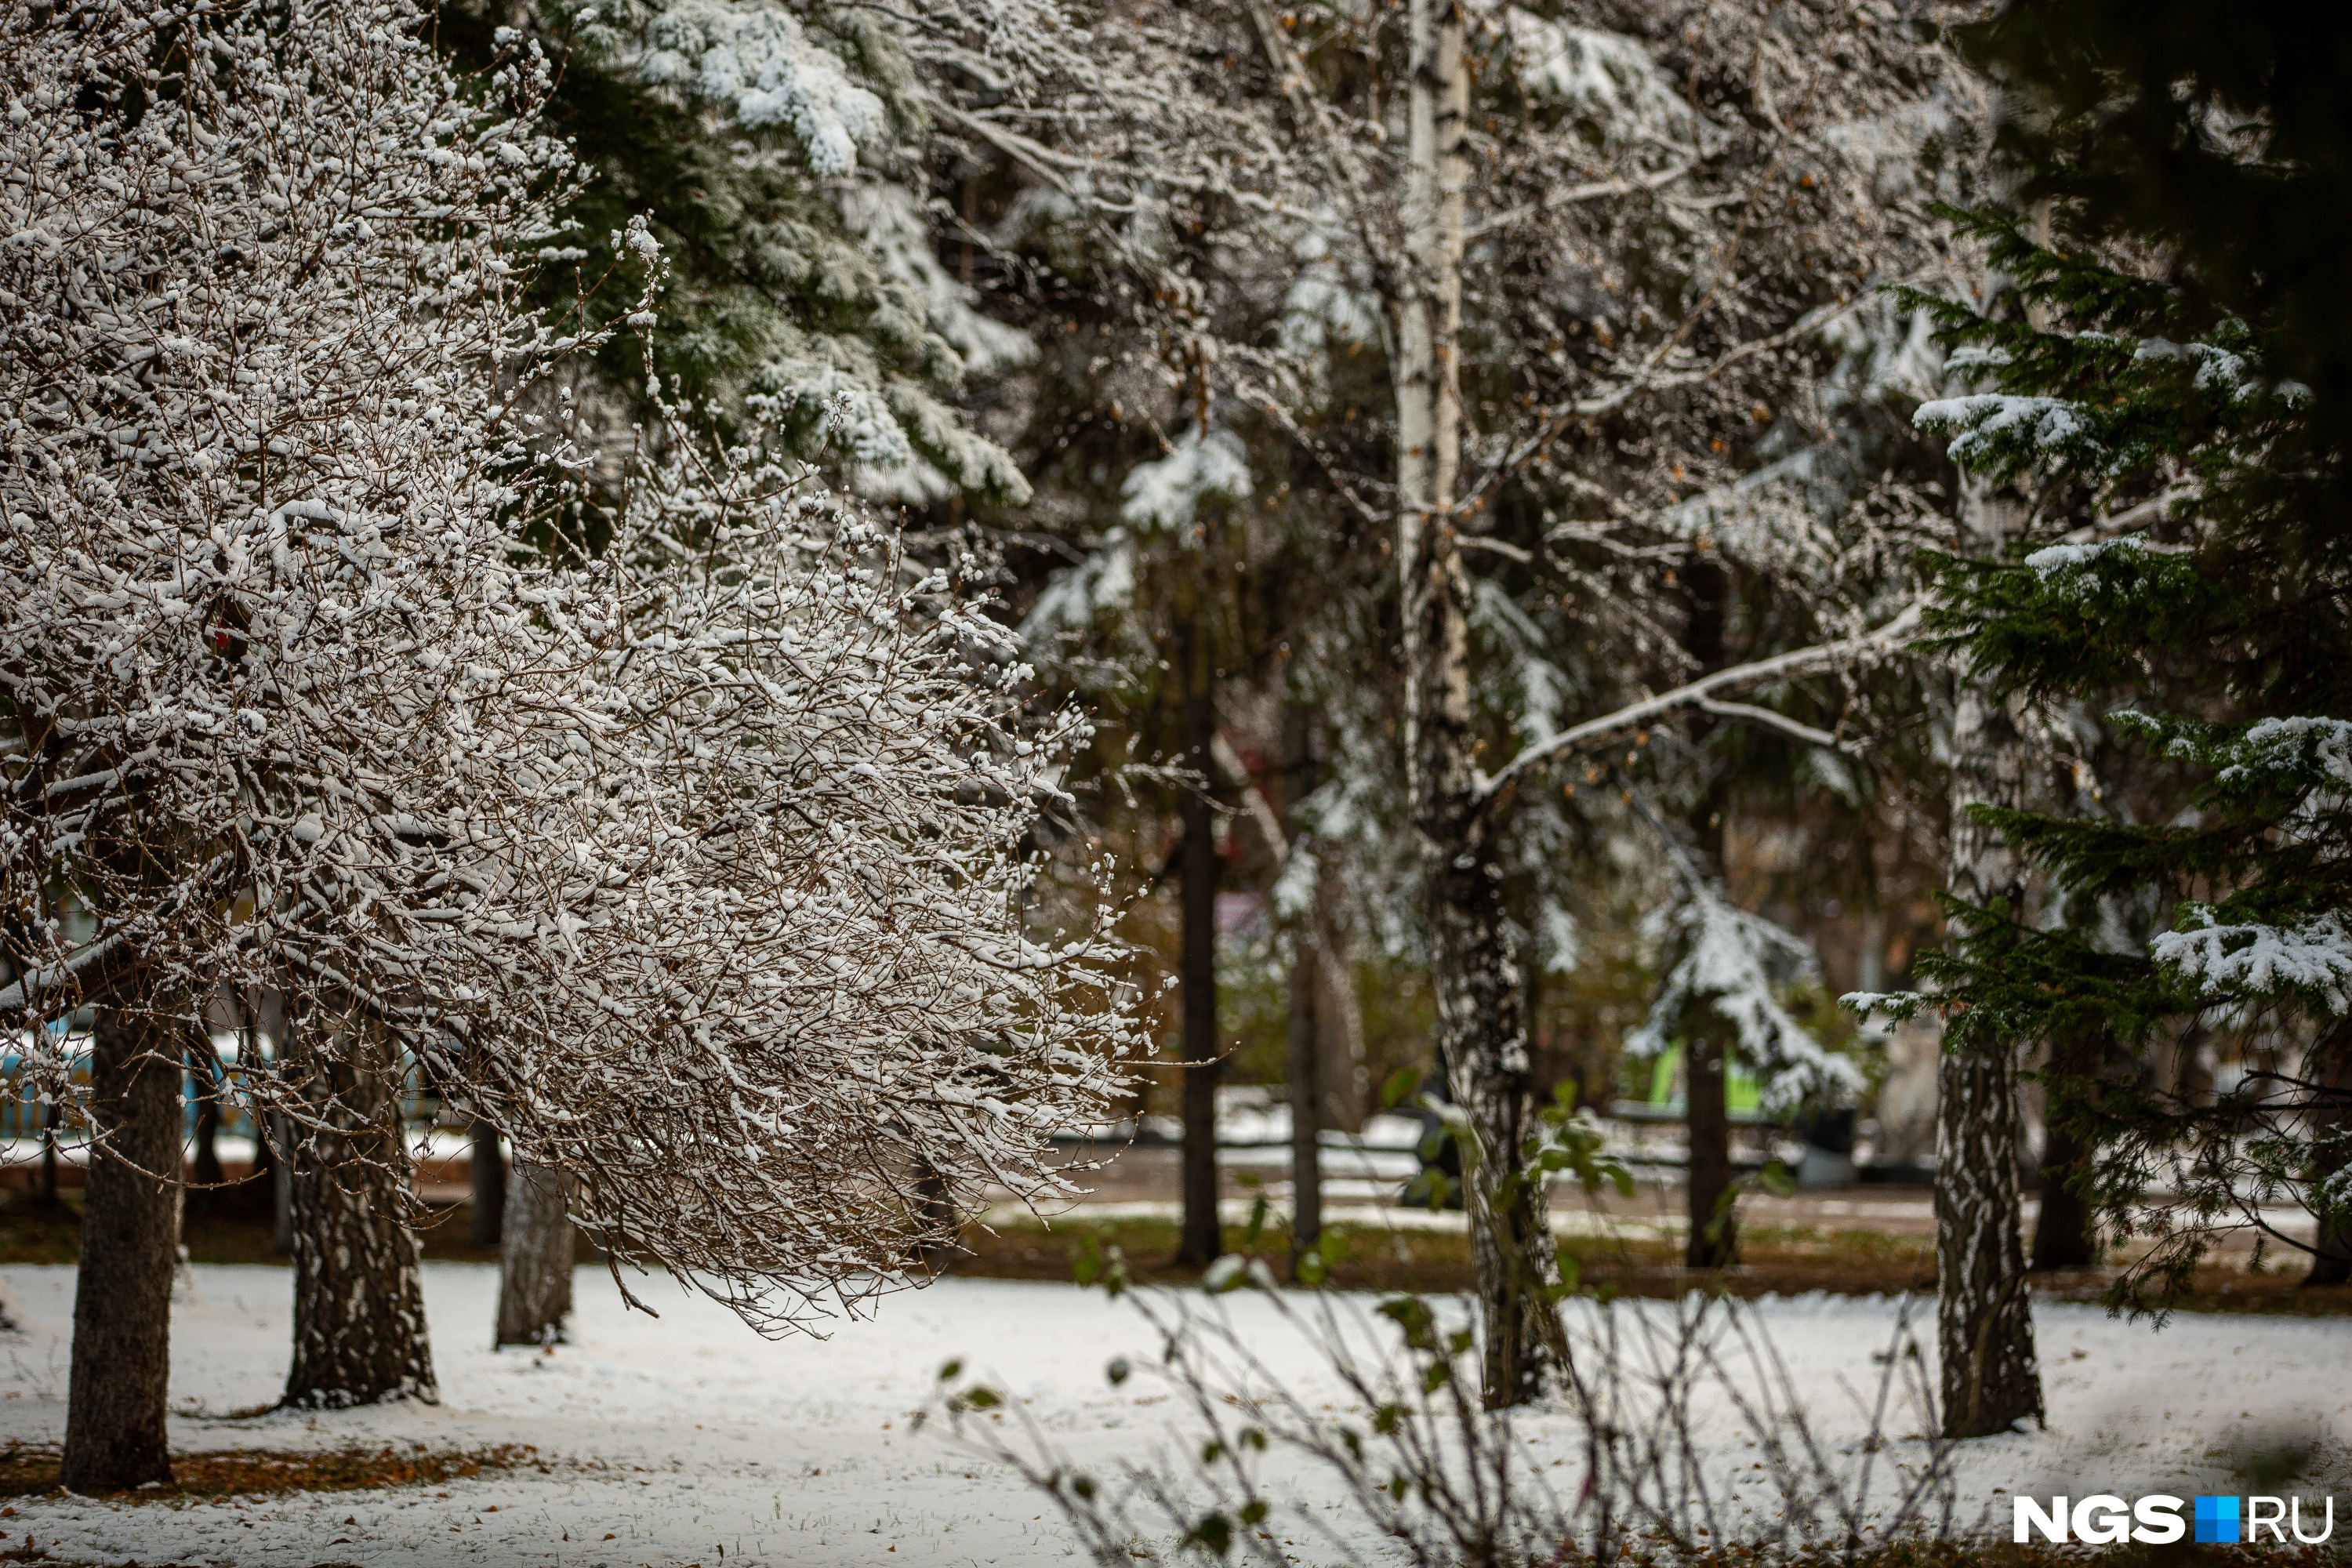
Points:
(2217, 1520)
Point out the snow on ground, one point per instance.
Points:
(800, 1452)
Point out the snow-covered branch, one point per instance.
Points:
(1794, 665)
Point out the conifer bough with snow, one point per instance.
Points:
(697, 867)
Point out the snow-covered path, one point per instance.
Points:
(800, 1453)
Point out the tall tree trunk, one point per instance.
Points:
(1308, 1091)
(358, 1304)
(1984, 1322)
(535, 1259)
(1707, 1036)
(1473, 969)
(1306, 1094)
(1199, 1242)
(2331, 1127)
(130, 1243)
(1714, 1241)
(2064, 1235)
(487, 1168)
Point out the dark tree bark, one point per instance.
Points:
(535, 1259)
(2331, 1257)
(1199, 1242)
(261, 1181)
(359, 1305)
(1707, 1040)
(2067, 1234)
(130, 1243)
(2064, 1235)
(281, 1185)
(49, 1124)
(205, 1167)
(935, 1211)
(1306, 1091)
(487, 1167)
(1713, 1229)
(1984, 1322)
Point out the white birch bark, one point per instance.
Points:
(1474, 974)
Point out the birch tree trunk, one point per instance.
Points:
(1199, 1242)
(359, 1305)
(535, 1259)
(1984, 1323)
(1473, 969)
(130, 1244)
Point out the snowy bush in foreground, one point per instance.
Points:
(698, 864)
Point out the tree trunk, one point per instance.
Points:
(2331, 1257)
(1984, 1320)
(487, 1167)
(1306, 1092)
(2065, 1236)
(1309, 1092)
(281, 1185)
(205, 1167)
(1199, 1242)
(130, 1244)
(1713, 1229)
(359, 1305)
(1473, 969)
(49, 1125)
(941, 1246)
(535, 1259)
(1707, 1036)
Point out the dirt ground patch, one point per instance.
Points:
(31, 1470)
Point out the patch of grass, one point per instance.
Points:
(31, 1469)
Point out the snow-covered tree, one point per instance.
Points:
(786, 153)
(697, 866)
(1510, 285)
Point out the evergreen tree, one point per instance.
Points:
(2172, 402)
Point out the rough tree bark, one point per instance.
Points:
(130, 1243)
(535, 1259)
(1984, 1324)
(1199, 1242)
(487, 1169)
(1472, 968)
(1707, 1037)
(359, 1305)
